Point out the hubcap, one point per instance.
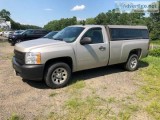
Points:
(134, 63)
(59, 76)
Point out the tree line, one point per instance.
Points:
(113, 18)
(104, 18)
(152, 20)
(15, 25)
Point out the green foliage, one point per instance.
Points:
(18, 26)
(155, 52)
(53, 94)
(87, 108)
(155, 33)
(154, 109)
(15, 117)
(60, 24)
(111, 17)
(5, 14)
(90, 21)
(150, 91)
(155, 42)
(78, 85)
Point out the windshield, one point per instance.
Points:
(23, 32)
(18, 32)
(68, 34)
(50, 35)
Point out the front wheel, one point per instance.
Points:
(132, 63)
(58, 75)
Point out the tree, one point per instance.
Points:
(57, 25)
(5, 14)
(90, 21)
(155, 24)
(101, 19)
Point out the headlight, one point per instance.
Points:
(33, 58)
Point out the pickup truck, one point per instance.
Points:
(77, 48)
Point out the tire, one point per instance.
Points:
(132, 63)
(12, 44)
(57, 75)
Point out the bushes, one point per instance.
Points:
(155, 52)
(1, 30)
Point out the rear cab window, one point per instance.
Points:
(128, 34)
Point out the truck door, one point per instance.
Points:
(95, 54)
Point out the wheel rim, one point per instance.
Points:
(134, 63)
(59, 76)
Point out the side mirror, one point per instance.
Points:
(86, 40)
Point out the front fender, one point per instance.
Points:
(58, 51)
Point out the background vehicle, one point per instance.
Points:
(28, 35)
(17, 32)
(6, 33)
(1, 33)
(50, 35)
(77, 48)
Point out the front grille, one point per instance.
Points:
(19, 57)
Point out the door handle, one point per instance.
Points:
(102, 48)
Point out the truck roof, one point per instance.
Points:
(114, 26)
(127, 26)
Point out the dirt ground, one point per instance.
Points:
(33, 100)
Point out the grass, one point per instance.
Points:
(124, 115)
(111, 100)
(156, 42)
(7, 56)
(92, 106)
(78, 85)
(150, 91)
(154, 109)
(127, 110)
(3, 43)
(53, 94)
(88, 108)
(15, 117)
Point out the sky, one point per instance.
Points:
(40, 12)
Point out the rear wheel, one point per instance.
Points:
(132, 63)
(58, 75)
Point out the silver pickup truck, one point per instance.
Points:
(77, 48)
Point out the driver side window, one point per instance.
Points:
(95, 34)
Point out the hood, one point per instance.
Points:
(41, 42)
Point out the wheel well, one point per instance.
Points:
(66, 60)
(136, 51)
